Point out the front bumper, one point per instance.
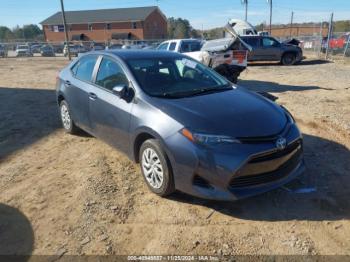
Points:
(300, 57)
(236, 171)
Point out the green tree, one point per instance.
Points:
(31, 31)
(27, 32)
(5, 33)
(181, 28)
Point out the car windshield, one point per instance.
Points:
(176, 77)
(23, 47)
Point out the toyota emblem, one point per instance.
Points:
(281, 143)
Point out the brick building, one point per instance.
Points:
(137, 23)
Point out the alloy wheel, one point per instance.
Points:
(152, 168)
(65, 116)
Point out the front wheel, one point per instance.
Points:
(155, 168)
(66, 119)
(288, 59)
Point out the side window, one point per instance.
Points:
(185, 47)
(269, 42)
(110, 75)
(172, 46)
(195, 46)
(163, 46)
(85, 67)
(252, 41)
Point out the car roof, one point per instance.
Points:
(140, 54)
(184, 40)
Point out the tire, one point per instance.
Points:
(66, 119)
(153, 159)
(288, 59)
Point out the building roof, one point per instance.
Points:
(102, 15)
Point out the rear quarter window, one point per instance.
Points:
(252, 41)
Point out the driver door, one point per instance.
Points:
(110, 114)
(270, 49)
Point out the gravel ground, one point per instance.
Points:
(63, 194)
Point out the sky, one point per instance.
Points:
(201, 13)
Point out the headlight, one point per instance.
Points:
(207, 139)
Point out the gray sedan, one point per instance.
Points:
(188, 127)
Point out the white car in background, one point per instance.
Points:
(23, 50)
(181, 45)
(224, 55)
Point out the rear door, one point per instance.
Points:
(110, 114)
(77, 89)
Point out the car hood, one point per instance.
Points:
(237, 112)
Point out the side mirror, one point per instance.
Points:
(120, 90)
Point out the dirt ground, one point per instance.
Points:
(63, 194)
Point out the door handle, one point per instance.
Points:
(67, 83)
(92, 96)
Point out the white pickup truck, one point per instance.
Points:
(225, 55)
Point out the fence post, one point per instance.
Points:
(321, 37)
(329, 34)
(347, 46)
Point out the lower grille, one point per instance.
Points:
(201, 182)
(267, 177)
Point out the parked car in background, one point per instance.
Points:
(23, 50)
(3, 51)
(73, 50)
(58, 48)
(97, 47)
(223, 55)
(267, 48)
(131, 46)
(188, 127)
(338, 44)
(114, 46)
(47, 50)
(36, 49)
(181, 45)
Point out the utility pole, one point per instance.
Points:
(245, 2)
(330, 27)
(270, 2)
(291, 25)
(65, 29)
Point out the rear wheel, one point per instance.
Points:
(155, 168)
(66, 119)
(288, 59)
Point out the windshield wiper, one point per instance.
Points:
(211, 90)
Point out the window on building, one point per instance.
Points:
(110, 75)
(134, 25)
(108, 26)
(90, 27)
(57, 28)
